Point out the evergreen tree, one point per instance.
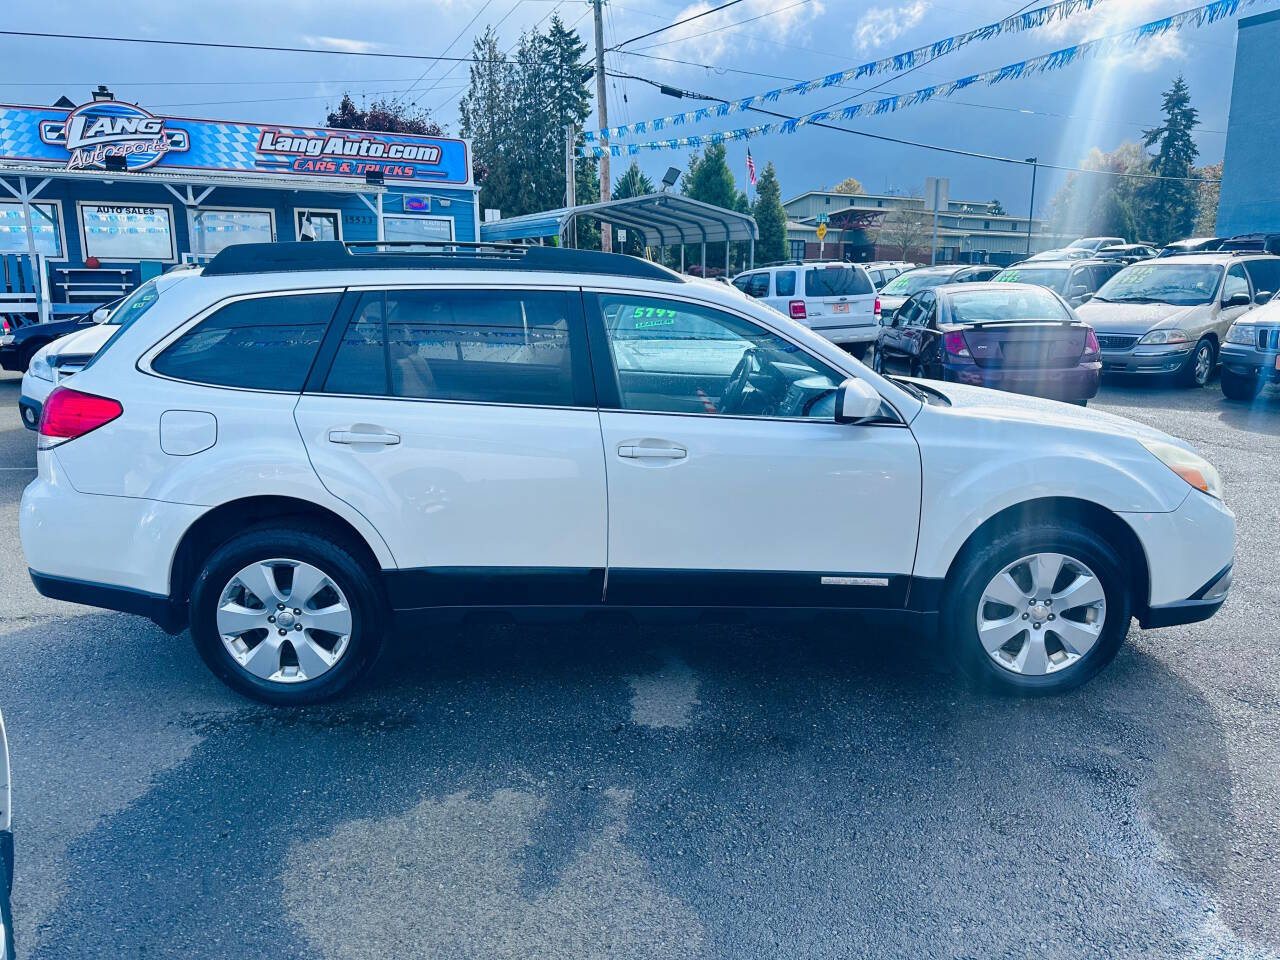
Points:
(771, 218)
(710, 180)
(486, 118)
(1170, 206)
(996, 208)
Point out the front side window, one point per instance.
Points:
(263, 343)
(115, 231)
(213, 230)
(479, 346)
(44, 226)
(674, 357)
(1265, 275)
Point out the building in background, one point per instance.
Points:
(1249, 201)
(864, 227)
(105, 194)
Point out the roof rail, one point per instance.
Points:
(293, 256)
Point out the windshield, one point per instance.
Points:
(913, 282)
(1021, 303)
(135, 305)
(1182, 284)
(1055, 278)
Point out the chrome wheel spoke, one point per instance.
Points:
(1083, 591)
(260, 580)
(1004, 589)
(235, 619)
(263, 660)
(1045, 568)
(1033, 658)
(994, 634)
(307, 582)
(313, 659)
(1077, 638)
(333, 619)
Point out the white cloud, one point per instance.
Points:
(345, 44)
(707, 39)
(1117, 16)
(881, 25)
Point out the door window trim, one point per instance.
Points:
(609, 395)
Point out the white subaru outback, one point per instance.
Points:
(304, 446)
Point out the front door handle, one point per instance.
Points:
(647, 450)
(383, 437)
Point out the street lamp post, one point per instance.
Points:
(1031, 213)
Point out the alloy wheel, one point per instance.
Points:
(284, 620)
(1204, 363)
(1041, 614)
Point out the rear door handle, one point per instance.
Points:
(383, 437)
(638, 451)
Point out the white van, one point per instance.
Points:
(838, 300)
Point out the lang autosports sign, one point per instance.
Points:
(83, 138)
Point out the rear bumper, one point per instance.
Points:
(30, 411)
(1074, 384)
(844, 334)
(169, 616)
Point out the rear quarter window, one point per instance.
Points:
(836, 281)
(263, 343)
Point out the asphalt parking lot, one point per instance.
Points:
(659, 791)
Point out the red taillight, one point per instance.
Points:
(4, 327)
(877, 308)
(68, 414)
(797, 309)
(955, 344)
(1091, 348)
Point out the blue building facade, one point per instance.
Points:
(105, 194)
(1250, 198)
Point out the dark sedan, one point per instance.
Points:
(895, 293)
(19, 346)
(1010, 336)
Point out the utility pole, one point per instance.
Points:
(1035, 165)
(602, 110)
(570, 185)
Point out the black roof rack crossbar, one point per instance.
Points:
(290, 257)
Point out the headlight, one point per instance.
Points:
(1196, 470)
(1239, 333)
(1166, 336)
(40, 367)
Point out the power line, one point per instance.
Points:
(672, 26)
(728, 26)
(450, 47)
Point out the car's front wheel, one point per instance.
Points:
(1199, 366)
(1039, 609)
(286, 615)
(1241, 386)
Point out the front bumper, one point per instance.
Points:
(1155, 359)
(1073, 384)
(1248, 361)
(1201, 605)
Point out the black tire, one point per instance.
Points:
(1193, 372)
(309, 544)
(857, 350)
(1241, 387)
(976, 567)
(876, 360)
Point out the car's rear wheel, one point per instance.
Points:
(1199, 366)
(1241, 386)
(1039, 609)
(288, 616)
(874, 358)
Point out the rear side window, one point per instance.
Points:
(263, 343)
(784, 281)
(473, 345)
(835, 281)
(1265, 275)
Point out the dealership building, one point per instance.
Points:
(1249, 201)
(96, 198)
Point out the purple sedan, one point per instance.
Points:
(1009, 336)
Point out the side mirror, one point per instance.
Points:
(100, 315)
(1263, 296)
(856, 400)
(1237, 300)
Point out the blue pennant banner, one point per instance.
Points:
(1198, 17)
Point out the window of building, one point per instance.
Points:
(262, 343)
(797, 249)
(323, 224)
(986, 224)
(411, 227)
(116, 231)
(212, 229)
(46, 224)
(500, 346)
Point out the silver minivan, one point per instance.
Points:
(1170, 316)
(837, 300)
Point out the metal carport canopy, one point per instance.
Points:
(663, 219)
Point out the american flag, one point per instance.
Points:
(751, 168)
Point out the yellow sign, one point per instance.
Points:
(822, 232)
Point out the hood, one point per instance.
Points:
(1136, 317)
(85, 342)
(982, 402)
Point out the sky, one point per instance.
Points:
(1058, 117)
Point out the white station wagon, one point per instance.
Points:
(304, 446)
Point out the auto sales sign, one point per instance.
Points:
(83, 138)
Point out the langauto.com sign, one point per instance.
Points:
(85, 136)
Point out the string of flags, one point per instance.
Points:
(1201, 16)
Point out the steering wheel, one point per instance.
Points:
(738, 380)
